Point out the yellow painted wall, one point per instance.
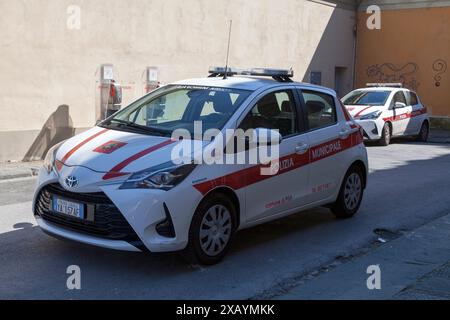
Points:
(413, 47)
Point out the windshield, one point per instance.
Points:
(373, 98)
(177, 107)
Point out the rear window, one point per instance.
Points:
(320, 109)
(360, 97)
(413, 99)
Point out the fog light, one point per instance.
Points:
(165, 228)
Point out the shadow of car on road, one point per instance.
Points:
(34, 264)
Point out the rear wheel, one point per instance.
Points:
(423, 133)
(385, 135)
(350, 194)
(211, 230)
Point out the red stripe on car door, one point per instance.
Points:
(403, 116)
(249, 176)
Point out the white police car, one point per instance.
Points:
(119, 185)
(386, 110)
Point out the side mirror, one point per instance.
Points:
(399, 105)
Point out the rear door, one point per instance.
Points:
(328, 137)
(417, 109)
(268, 195)
(400, 119)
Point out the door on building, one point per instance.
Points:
(339, 81)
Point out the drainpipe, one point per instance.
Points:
(355, 40)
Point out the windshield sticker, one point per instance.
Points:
(186, 87)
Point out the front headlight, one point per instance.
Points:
(158, 178)
(372, 115)
(49, 160)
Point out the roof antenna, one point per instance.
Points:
(228, 51)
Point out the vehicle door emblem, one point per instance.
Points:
(71, 181)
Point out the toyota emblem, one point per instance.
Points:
(71, 181)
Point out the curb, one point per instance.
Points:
(438, 140)
(403, 261)
(15, 176)
(23, 173)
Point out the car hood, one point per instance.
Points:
(117, 152)
(356, 111)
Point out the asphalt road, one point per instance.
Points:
(409, 185)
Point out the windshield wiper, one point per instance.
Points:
(140, 127)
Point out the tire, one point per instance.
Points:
(216, 212)
(350, 194)
(385, 135)
(424, 132)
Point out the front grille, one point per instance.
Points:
(105, 221)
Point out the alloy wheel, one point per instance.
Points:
(352, 191)
(215, 230)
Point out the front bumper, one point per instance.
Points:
(104, 224)
(59, 232)
(371, 128)
(117, 218)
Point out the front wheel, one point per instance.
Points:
(385, 135)
(350, 194)
(423, 133)
(211, 230)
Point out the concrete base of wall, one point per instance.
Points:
(32, 145)
(440, 123)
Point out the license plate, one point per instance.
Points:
(73, 209)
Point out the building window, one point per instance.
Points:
(315, 77)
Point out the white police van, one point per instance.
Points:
(118, 185)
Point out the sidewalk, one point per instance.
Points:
(414, 266)
(439, 136)
(13, 170)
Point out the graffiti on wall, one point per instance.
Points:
(439, 67)
(388, 72)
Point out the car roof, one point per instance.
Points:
(245, 83)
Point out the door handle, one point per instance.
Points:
(344, 133)
(301, 148)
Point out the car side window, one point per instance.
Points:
(413, 97)
(276, 110)
(399, 97)
(320, 109)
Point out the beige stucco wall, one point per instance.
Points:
(49, 73)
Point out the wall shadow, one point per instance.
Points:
(58, 127)
(334, 57)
